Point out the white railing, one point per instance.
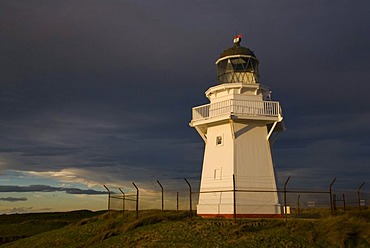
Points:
(237, 107)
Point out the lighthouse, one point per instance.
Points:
(238, 127)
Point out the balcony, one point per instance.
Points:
(260, 110)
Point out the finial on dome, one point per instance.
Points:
(238, 39)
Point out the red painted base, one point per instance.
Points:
(228, 216)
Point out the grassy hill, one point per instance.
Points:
(176, 229)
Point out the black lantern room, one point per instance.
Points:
(237, 64)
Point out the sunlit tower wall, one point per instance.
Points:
(238, 126)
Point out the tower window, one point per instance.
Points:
(218, 140)
(217, 174)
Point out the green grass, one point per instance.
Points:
(17, 226)
(176, 229)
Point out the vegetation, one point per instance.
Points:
(18, 226)
(176, 229)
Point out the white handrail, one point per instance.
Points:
(237, 107)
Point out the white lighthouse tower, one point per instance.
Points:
(237, 125)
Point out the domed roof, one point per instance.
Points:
(237, 49)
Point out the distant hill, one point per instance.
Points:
(176, 229)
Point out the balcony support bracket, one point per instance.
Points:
(271, 130)
(232, 129)
(201, 134)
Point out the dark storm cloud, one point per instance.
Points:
(108, 86)
(45, 188)
(13, 199)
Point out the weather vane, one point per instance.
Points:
(238, 38)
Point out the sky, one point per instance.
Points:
(100, 92)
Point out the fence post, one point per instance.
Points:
(177, 201)
(234, 195)
(299, 196)
(358, 196)
(331, 196)
(344, 203)
(190, 192)
(335, 202)
(108, 197)
(137, 200)
(123, 200)
(162, 194)
(285, 208)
